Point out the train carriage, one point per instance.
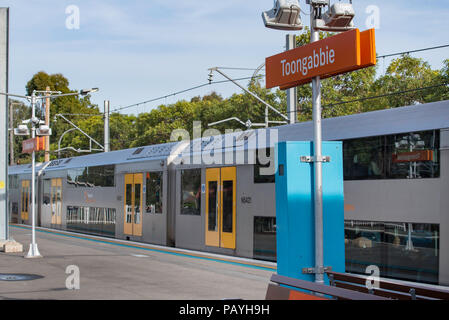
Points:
(217, 193)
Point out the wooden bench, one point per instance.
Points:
(386, 288)
(311, 291)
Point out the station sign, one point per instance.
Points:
(36, 144)
(413, 156)
(345, 52)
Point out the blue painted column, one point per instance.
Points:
(295, 222)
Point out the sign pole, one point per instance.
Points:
(4, 125)
(291, 93)
(317, 147)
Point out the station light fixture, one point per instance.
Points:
(22, 130)
(87, 91)
(338, 18)
(285, 15)
(43, 130)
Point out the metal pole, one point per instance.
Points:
(11, 134)
(4, 45)
(267, 123)
(106, 126)
(33, 251)
(317, 143)
(47, 122)
(291, 93)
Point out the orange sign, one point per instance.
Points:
(347, 51)
(36, 144)
(413, 156)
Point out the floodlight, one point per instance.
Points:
(87, 91)
(338, 18)
(43, 130)
(420, 144)
(22, 130)
(284, 16)
(339, 15)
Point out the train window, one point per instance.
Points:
(264, 167)
(91, 220)
(154, 192)
(403, 156)
(407, 251)
(228, 204)
(265, 238)
(99, 176)
(47, 192)
(213, 205)
(191, 192)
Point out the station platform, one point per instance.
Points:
(111, 269)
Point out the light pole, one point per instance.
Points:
(41, 131)
(286, 16)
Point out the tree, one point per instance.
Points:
(64, 105)
(403, 74)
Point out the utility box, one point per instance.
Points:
(295, 216)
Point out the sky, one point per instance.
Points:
(137, 50)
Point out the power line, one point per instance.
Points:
(231, 68)
(333, 105)
(412, 51)
(246, 78)
(180, 92)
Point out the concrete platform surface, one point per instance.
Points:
(109, 271)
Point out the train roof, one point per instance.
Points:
(422, 117)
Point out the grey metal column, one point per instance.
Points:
(317, 146)
(106, 126)
(291, 93)
(4, 135)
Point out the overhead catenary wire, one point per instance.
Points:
(335, 104)
(180, 92)
(247, 78)
(413, 51)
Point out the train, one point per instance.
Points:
(216, 193)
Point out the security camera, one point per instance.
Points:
(284, 16)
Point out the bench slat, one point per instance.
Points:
(385, 284)
(324, 289)
(382, 293)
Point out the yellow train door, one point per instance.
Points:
(221, 207)
(228, 207)
(212, 207)
(25, 200)
(133, 204)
